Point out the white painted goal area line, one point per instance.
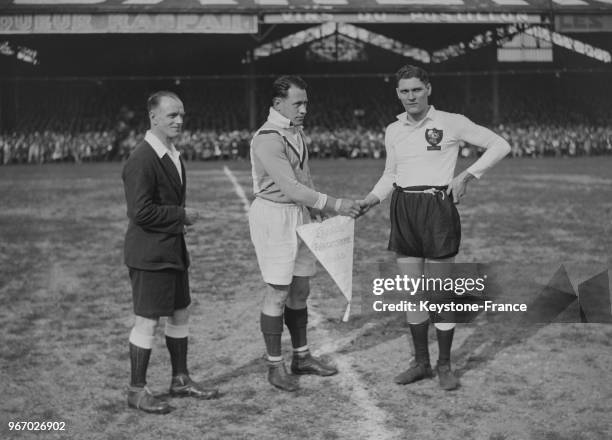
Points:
(373, 418)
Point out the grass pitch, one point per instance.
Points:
(66, 314)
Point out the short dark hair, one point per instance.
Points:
(281, 86)
(153, 100)
(409, 71)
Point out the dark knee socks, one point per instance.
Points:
(297, 322)
(445, 341)
(419, 339)
(139, 361)
(272, 329)
(178, 354)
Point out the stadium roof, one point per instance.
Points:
(175, 44)
(248, 16)
(312, 6)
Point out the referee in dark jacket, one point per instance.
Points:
(155, 183)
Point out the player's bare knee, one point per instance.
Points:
(411, 266)
(179, 317)
(299, 291)
(439, 267)
(275, 297)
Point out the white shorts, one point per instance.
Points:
(281, 254)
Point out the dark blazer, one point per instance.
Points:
(156, 208)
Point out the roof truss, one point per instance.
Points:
(497, 36)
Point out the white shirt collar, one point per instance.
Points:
(431, 113)
(278, 119)
(158, 145)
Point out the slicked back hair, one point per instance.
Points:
(281, 86)
(409, 71)
(153, 100)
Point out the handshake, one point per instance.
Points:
(348, 207)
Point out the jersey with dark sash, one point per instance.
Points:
(301, 157)
(280, 167)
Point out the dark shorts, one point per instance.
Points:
(159, 293)
(424, 225)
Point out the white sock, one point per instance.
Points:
(141, 340)
(445, 326)
(300, 350)
(176, 331)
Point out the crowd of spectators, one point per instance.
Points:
(104, 121)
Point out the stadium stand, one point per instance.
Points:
(541, 115)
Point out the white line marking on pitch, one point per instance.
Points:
(239, 191)
(372, 423)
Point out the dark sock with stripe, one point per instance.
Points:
(419, 339)
(272, 329)
(297, 322)
(445, 341)
(139, 362)
(178, 354)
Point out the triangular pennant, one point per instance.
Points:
(332, 242)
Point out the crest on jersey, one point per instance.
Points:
(433, 136)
